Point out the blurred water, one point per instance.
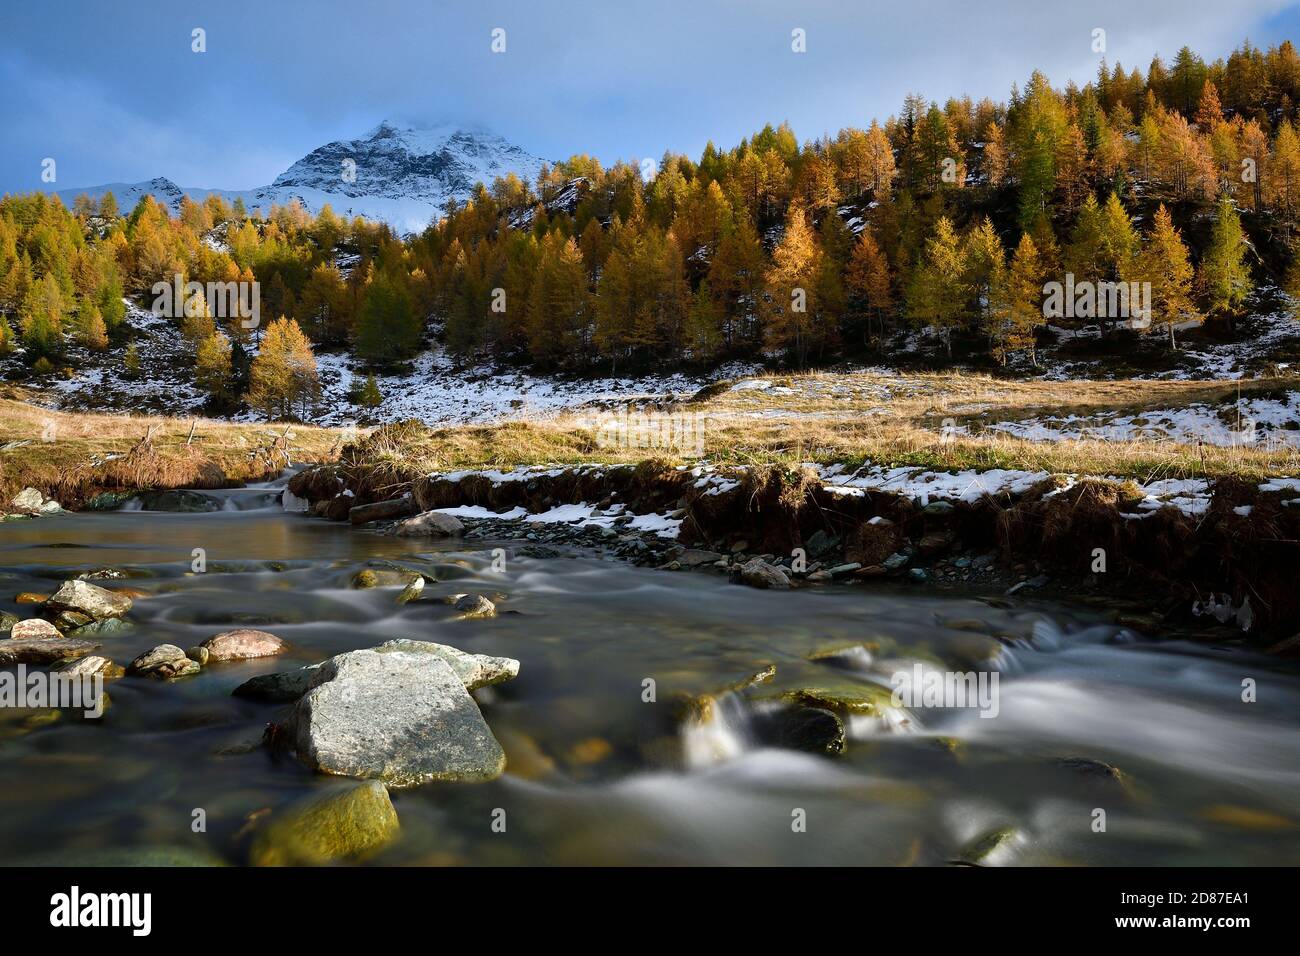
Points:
(598, 775)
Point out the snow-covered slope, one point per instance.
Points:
(398, 174)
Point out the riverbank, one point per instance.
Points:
(1198, 538)
(1215, 556)
(74, 458)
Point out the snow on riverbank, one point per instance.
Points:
(1192, 496)
(580, 515)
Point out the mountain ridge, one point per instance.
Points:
(401, 174)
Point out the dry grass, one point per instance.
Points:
(73, 455)
(885, 419)
(864, 417)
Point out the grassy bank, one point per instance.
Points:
(942, 422)
(939, 421)
(74, 456)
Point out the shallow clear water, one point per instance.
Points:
(598, 775)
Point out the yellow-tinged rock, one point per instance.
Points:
(344, 823)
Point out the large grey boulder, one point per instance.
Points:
(432, 523)
(80, 598)
(400, 717)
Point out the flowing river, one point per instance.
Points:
(598, 774)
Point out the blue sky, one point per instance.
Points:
(113, 92)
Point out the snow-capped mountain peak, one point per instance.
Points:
(431, 164)
(399, 173)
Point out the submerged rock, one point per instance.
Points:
(431, 523)
(381, 578)
(178, 500)
(346, 823)
(1088, 767)
(165, 662)
(403, 718)
(152, 856)
(475, 606)
(992, 848)
(110, 625)
(810, 729)
(277, 688)
(109, 500)
(82, 598)
(242, 644)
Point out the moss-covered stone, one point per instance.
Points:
(345, 823)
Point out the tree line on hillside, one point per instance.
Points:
(945, 218)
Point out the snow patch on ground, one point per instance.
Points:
(438, 393)
(1256, 422)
